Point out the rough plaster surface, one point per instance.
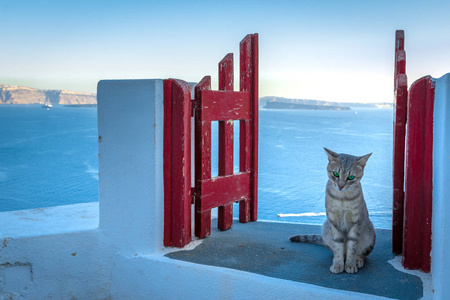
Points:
(440, 251)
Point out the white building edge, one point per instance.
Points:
(114, 249)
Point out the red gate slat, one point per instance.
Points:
(225, 105)
(226, 135)
(223, 190)
(176, 163)
(418, 179)
(226, 73)
(400, 112)
(255, 121)
(244, 165)
(202, 160)
(167, 163)
(249, 82)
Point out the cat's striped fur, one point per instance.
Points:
(347, 231)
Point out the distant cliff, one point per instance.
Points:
(26, 95)
(285, 105)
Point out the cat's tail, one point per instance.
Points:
(308, 238)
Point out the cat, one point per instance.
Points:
(347, 231)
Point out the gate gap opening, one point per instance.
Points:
(236, 147)
(214, 148)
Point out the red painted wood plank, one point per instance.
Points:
(244, 211)
(226, 136)
(203, 131)
(255, 120)
(400, 40)
(428, 174)
(225, 105)
(400, 112)
(202, 160)
(399, 46)
(202, 172)
(244, 145)
(245, 63)
(225, 217)
(177, 163)
(244, 165)
(245, 131)
(203, 157)
(167, 163)
(226, 73)
(224, 190)
(249, 82)
(202, 222)
(400, 62)
(181, 163)
(418, 179)
(401, 93)
(204, 84)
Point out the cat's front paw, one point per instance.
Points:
(336, 268)
(351, 269)
(359, 262)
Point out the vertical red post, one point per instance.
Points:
(400, 112)
(249, 82)
(419, 176)
(167, 163)
(226, 78)
(202, 160)
(177, 163)
(244, 164)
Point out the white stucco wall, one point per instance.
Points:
(440, 252)
(130, 129)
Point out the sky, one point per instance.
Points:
(324, 50)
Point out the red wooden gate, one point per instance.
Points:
(224, 106)
(412, 165)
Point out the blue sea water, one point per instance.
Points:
(49, 158)
(292, 162)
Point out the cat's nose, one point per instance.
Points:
(340, 187)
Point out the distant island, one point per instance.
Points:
(25, 95)
(272, 102)
(286, 105)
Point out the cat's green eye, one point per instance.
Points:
(336, 174)
(351, 177)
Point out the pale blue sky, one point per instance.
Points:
(327, 50)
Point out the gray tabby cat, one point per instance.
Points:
(347, 231)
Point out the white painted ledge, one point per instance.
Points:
(49, 220)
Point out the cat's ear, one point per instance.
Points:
(363, 159)
(332, 156)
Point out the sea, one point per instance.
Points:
(50, 158)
